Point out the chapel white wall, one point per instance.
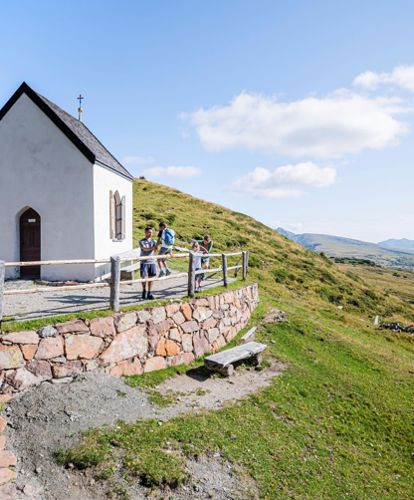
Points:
(106, 180)
(42, 169)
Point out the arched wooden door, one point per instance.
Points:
(30, 231)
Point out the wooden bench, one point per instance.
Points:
(223, 362)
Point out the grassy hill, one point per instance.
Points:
(390, 253)
(283, 268)
(337, 424)
(402, 244)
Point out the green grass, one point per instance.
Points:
(338, 423)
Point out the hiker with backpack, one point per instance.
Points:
(166, 239)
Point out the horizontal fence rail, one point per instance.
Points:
(113, 278)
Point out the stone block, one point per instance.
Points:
(155, 363)
(201, 345)
(76, 326)
(178, 318)
(163, 327)
(187, 342)
(160, 350)
(212, 334)
(126, 321)
(10, 357)
(28, 351)
(209, 323)
(201, 313)
(187, 311)
(190, 326)
(40, 368)
(83, 346)
(143, 316)
(185, 358)
(171, 309)
(68, 369)
(103, 327)
(219, 343)
(171, 347)
(125, 345)
(22, 379)
(47, 331)
(7, 459)
(127, 368)
(7, 475)
(158, 314)
(202, 302)
(50, 348)
(21, 337)
(174, 334)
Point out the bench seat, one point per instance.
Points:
(223, 362)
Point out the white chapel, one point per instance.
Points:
(63, 195)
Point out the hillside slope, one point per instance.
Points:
(284, 268)
(383, 254)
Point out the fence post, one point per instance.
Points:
(191, 274)
(224, 265)
(244, 264)
(115, 282)
(2, 278)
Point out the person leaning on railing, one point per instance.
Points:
(198, 257)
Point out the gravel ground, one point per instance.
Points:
(55, 303)
(51, 416)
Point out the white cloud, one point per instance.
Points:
(137, 160)
(327, 127)
(286, 181)
(400, 76)
(173, 171)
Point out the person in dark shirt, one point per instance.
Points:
(148, 266)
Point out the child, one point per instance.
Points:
(198, 251)
(148, 267)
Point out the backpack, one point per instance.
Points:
(169, 237)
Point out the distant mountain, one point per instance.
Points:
(402, 245)
(340, 247)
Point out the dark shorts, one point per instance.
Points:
(164, 251)
(148, 270)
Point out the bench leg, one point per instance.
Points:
(256, 360)
(227, 371)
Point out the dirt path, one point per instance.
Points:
(53, 415)
(55, 303)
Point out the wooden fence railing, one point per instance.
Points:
(114, 278)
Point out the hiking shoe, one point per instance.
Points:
(162, 272)
(168, 272)
(150, 296)
(144, 295)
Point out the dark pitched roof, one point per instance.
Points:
(75, 130)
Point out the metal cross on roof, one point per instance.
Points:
(80, 98)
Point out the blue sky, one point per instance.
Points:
(297, 113)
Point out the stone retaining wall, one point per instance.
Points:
(124, 344)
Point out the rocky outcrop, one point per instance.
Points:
(127, 343)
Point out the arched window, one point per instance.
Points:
(117, 216)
